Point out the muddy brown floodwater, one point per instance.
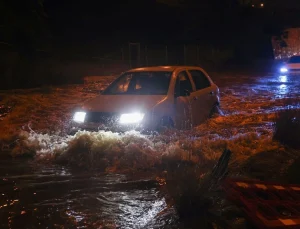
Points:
(53, 196)
(56, 197)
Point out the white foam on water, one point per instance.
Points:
(40, 117)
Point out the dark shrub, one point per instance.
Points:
(192, 187)
(287, 128)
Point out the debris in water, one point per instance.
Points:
(4, 110)
(266, 204)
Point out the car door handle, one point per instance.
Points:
(195, 98)
(211, 93)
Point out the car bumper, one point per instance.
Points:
(98, 127)
(90, 126)
(110, 123)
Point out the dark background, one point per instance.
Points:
(60, 41)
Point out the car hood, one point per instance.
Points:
(122, 103)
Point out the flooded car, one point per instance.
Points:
(292, 66)
(151, 98)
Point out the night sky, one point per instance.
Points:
(118, 21)
(97, 25)
(147, 20)
(114, 21)
(94, 30)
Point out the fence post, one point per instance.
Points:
(139, 55)
(198, 55)
(184, 54)
(146, 55)
(166, 55)
(122, 52)
(129, 55)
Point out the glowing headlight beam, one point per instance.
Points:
(131, 118)
(283, 70)
(79, 117)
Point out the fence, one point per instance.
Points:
(151, 55)
(53, 69)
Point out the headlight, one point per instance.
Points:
(131, 118)
(283, 69)
(79, 117)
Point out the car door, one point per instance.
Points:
(204, 96)
(183, 101)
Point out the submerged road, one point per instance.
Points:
(53, 196)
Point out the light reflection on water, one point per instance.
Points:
(277, 86)
(283, 89)
(283, 79)
(55, 197)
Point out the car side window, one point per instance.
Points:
(200, 79)
(183, 84)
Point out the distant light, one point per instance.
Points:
(262, 5)
(252, 5)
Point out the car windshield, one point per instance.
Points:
(294, 60)
(140, 83)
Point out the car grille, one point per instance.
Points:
(101, 117)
